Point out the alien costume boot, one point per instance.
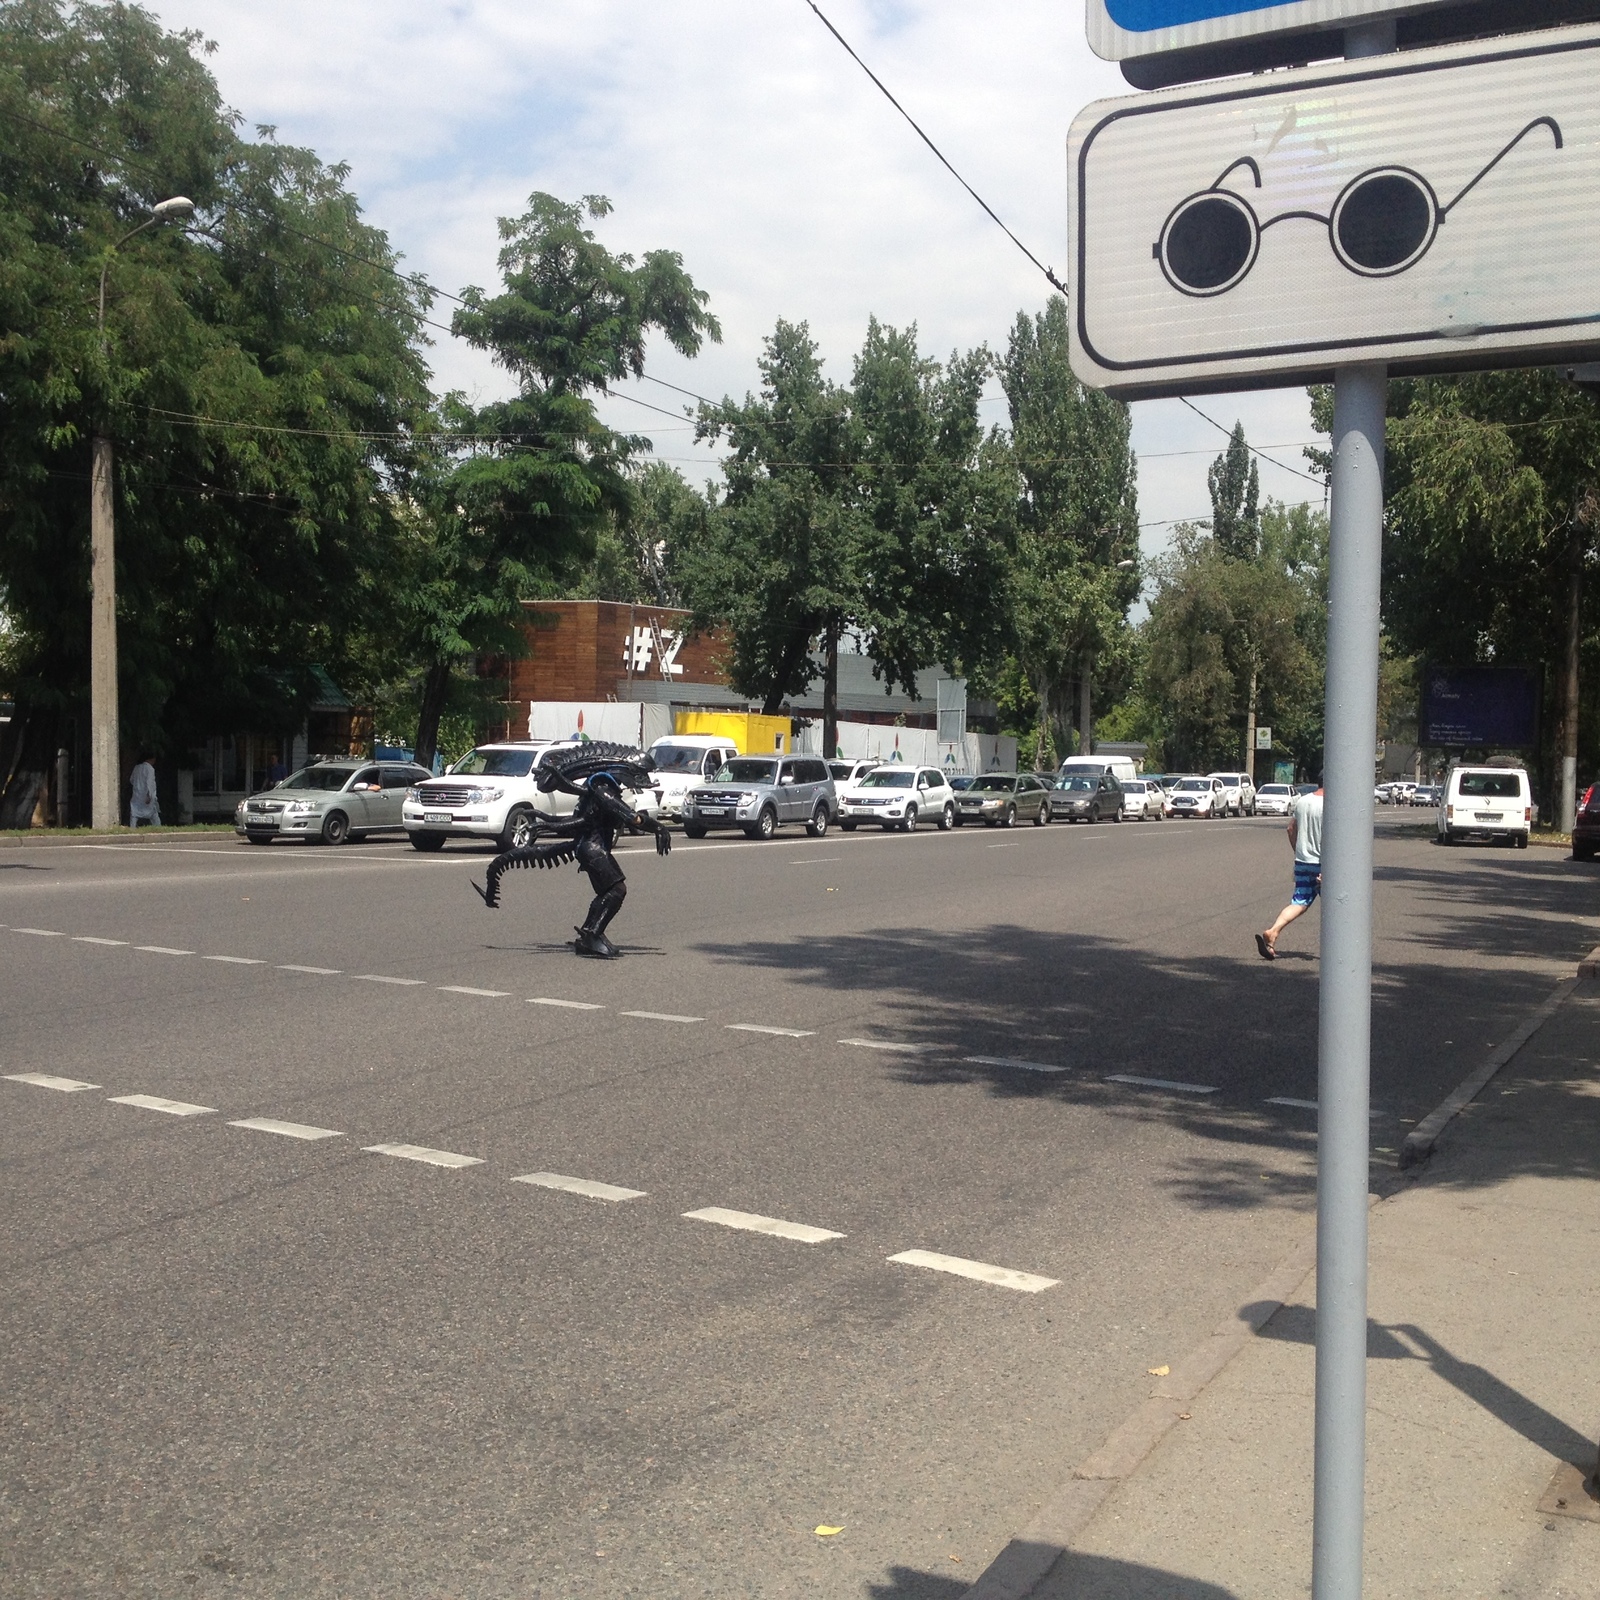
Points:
(591, 940)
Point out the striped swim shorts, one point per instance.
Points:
(1307, 882)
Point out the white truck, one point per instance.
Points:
(683, 762)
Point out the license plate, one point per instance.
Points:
(261, 822)
(435, 816)
(713, 811)
(1488, 816)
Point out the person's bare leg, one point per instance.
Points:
(1285, 917)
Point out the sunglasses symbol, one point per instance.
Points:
(1382, 223)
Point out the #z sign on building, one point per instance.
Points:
(1437, 210)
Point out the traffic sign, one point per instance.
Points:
(1433, 210)
(1121, 30)
(1263, 738)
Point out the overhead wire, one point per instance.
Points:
(1320, 482)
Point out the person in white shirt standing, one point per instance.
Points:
(142, 803)
(1305, 839)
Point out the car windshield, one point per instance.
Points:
(495, 764)
(1491, 785)
(1274, 788)
(325, 778)
(1196, 786)
(995, 782)
(677, 758)
(746, 770)
(888, 780)
(841, 771)
(1077, 785)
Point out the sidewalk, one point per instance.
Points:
(1483, 1383)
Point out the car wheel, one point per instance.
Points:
(335, 828)
(1117, 815)
(765, 825)
(692, 832)
(1044, 814)
(1522, 841)
(427, 841)
(1583, 852)
(909, 825)
(947, 818)
(518, 831)
(847, 827)
(817, 827)
(257, 838)
(1009, 820)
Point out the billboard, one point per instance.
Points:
(1433, 210)
(1480, 708)
(1120, 30)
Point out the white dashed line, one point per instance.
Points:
(571, 1005)
(84, 938)
(320, 972)
(660, 1016)
(377, 977)
(754, 1224)
(880, 1044)
(784, 1033)
(1012, 1061)
(237, 961)
(816, 861)
(154, 1102)
(419, 1152)
(42, 933)
(486, 994)
(979, 1271)
(290, 1130)
(1285, 1100)
(584, 1186)
(1162, 1083)
(162, 950)
(43, 1080)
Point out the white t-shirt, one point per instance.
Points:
(142, 787)
(1306, 809)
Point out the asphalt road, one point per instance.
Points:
(237, 1360)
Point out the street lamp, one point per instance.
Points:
(105, 759)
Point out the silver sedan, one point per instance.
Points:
(329, 802)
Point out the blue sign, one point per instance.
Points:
(1480, 708)
(1142, 16)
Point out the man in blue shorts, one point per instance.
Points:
(1305, 839)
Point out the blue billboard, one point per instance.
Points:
(1480, 708)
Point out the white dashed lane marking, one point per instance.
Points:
(1161, 1083)
(785, 1033)
(571, 1005)
(319, 972)
(377, 977)
(584, 1186)
(420, 1152)
(42, 933)
(1286, 1100)
(44, 1080)
(237, 961)
(290, 1130)
(85, 938)
(487, 994)
(661, 1016)
(979, 1271)
(751, 1223)
(1012, 1061)
(879, 1044)
(154, 1102)
(162, 950)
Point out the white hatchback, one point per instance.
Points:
(1142, 798)
(1272, 799)
(899, 797)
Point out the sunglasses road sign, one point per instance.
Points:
(1437, 210)
(1123, 30)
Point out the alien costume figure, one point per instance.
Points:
(596, 773)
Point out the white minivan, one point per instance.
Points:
(1486, 802)
(1120, 767)
(683, 762)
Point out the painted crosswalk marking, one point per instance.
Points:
(290, 1130)
(751, 1223)
(585, 1186)
(45, 1080)
(420, 1152)
(155, 1102)
(979, 1271)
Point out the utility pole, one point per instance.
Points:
(105, 720)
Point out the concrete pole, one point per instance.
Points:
(105, 754)
(1569, 699)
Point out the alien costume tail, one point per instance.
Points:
(551, 853)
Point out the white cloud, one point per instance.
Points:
(740, 134)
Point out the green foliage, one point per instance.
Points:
(1235, 486)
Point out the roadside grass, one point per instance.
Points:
(26, 836)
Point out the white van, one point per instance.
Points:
(1120, 767)
(683, 762)
(1486, 802)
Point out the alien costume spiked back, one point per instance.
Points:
(595, 773)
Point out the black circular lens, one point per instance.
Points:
(1209, 243)
(1384, 221)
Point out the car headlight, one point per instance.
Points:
(480, 797)
(414, 794)
(300, 807)
(747, 797)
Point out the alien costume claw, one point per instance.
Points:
(596, 773)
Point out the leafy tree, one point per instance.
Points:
(1235, 486)
(241, 541)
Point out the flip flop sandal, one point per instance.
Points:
(1267, 952)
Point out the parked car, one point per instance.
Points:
(898, 797)
(1272, 799)
(1238, 794)
(999, 798)
(683, 762)
(962, 780)
(1586, 825)
(491, 793)
(329, 802)
(1087, 797)
(1426, 794)
(1141, 798)
(1486, 802)
(1196, 797)
(760, 794)
(847, 776)
(1120, 767)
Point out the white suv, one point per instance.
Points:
(897, 796)
(492, 793)
(1238, 794)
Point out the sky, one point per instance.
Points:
(740, 134)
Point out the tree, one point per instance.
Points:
(528, 486)
(1235, 487)
(260, 378)
(1076, 519)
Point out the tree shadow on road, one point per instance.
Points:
(1075, 1575)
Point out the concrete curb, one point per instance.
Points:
(1018, 1570)
(1420, 1141)
(1589, 967)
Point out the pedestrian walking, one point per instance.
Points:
(1305, 840)
(143, 805)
